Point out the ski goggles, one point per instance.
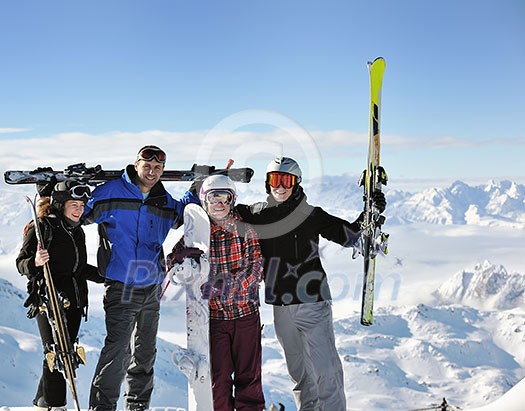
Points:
(80, 192)
(150, 153)
(63, 193)
(219, 196)
(276, 179)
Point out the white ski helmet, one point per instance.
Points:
(217, 182)
(285, 165)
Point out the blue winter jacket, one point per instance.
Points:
(136, 227)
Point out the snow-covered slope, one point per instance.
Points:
(465, 344)
(21, 355)
(411, 357)
(510, 401)
(414, 356)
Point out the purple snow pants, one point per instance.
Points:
(236, 356)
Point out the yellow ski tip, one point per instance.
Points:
(50, 359)
(377, 62)
(81, 352)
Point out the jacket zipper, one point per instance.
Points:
(296, 246)
(75, 285)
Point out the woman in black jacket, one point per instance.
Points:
(64, 249)
(296, 283)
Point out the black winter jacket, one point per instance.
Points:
(289, 237)
(67, 258)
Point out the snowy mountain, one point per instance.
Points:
(461, 336)
(492, 204)
(486, 286)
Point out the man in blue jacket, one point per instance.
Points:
(136, 214)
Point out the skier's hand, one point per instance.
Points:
(41, 257)
(195, 187)
(378, 245)
(360, 219)
(34, 300)
(379, 201)
(212, 289)
(179, 254)
(45, 189)
(204, 171)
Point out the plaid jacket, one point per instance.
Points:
(236, 269)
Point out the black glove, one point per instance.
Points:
(45, 189)
(204, 171)
(379, 201)
(195, 187)
(34, 299)
(178, 255)
(360, 218)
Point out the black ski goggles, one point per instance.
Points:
(150, 153)
(63, 193)
(219, 196)
(81, 192)
(276, 179)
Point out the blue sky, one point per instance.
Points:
(453, 92)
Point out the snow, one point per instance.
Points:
(449, 310)
(485, 286)
(510, 401)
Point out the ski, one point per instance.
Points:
(62, 355)
(373, 178)
(194, 361)
(97, 175)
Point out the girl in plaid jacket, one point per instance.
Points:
(236, 268)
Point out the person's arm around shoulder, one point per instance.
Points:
(90, 273)
(179, 205)
(91, 212)
(190, 198)
(251, 250)
(251, 214)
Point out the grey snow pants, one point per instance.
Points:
(132, 318)
(306, 334)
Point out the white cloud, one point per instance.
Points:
(446, 142)
(318, 152)
(8, 130)
(118, 148)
